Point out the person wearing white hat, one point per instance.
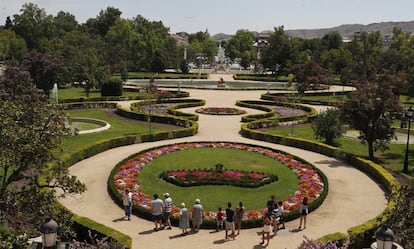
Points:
(197, 217)
(168, 202)
(184, 219)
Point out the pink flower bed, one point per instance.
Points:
(310, 183)
(187, 178)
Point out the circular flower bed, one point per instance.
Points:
(311, 183)
(220, 111)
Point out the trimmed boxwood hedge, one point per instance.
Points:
(180, 94)
(112, 87)
(258, 105)
(189, 128)
(177, 104)
(244, 183)
(83, 225)
(145, 213)
(359, 236)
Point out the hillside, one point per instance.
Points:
(346, 30)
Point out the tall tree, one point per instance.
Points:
(336, 60)
(103, 22)
(45, 70)
(120, 40)
(32, 24)
(30, 131)
(12, 48)
(279, 53)
(85, 59)
(332, 40)
(155, 42)
(309, 74)
(370, 111)
(366, 47)
(241, 46)
(64, 22)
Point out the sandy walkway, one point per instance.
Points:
(353, 197)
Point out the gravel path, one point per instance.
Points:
(353, 197)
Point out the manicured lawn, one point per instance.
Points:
(331, 98)
(214, 196)
(392, 158)
(119, 127)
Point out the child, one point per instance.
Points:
(219, 219)
(267, 228)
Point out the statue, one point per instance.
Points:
(221, 83)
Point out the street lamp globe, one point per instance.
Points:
(49, 233)
(384, 237)
(410, 112)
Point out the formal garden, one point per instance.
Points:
(239, 170)
(108, 68)
(127, 174)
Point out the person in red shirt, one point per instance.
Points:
(219, 219)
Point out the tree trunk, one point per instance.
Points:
(370, 149)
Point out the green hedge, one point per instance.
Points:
(88, 105)
(112, 87)
(259, 77)
(189, 129)
(178, 104)
(258, 105)
(311, 113)
(152, 75)
(145, 213)
(359, 236)
(140, 96)
(83, 225)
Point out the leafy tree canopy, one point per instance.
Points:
(370, 111)
(30, 172)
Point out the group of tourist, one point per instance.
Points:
(229, 220)
(232, 220)
(161, 214)
(274, 217)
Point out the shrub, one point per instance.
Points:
(112, 87)
(327, 125)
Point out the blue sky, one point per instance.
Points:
(228, 16)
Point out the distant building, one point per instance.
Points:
(262, 40)
(182, 38)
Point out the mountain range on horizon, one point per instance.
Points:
(346, 30)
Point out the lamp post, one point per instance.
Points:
(409, 115)
(49, 233)
(384, 238)
(149, 120)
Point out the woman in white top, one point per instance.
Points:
(303, 211)
(267, 229)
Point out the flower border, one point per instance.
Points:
(311, 184)
(220, 111)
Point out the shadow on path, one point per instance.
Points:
(120, 219)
